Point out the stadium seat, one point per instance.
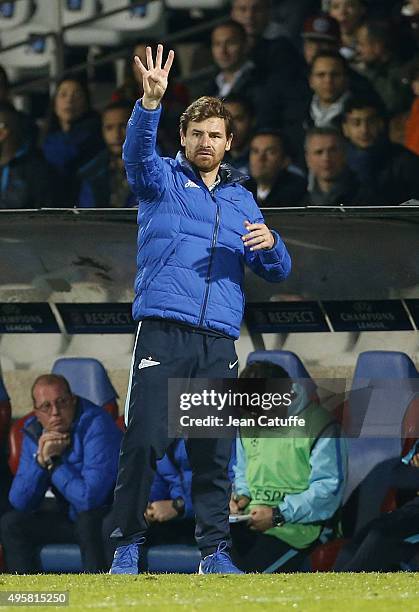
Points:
(324, 556)
(136, 19)
(35, 56)
(14, 14)
(383, 391)
(119, 28)
(290, 362)
(15, 442)
(74, 11)
(89, 379)
(196, 4)
(5, 412)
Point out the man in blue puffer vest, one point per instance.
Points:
(197, 228)
(69, 452)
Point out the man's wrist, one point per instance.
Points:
(179, 505)
(52, 462)
(150, 104)
(278, 518)
(40, 461)
(273, 243)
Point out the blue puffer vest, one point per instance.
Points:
(190, 258)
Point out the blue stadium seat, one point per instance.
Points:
(173, 558)
(196, 4)
(89, 379)
(290, 362)
(384, 387)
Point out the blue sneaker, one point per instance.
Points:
(125, 560)
(219, 562)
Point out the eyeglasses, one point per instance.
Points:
(60, 403)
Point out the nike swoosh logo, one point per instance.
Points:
(147, 363)
(231, 365)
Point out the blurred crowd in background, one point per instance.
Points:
(324, 96)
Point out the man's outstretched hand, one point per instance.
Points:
(154, 76)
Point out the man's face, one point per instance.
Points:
(114, 124)
(228, 48)
(328, 79)
(54, 406)
(242, 124)
(266, 158)
(363, 126)
(252, 14)
(325, 156)
(347, 13)
(369, 50)
(206, 142)
(70, 101)
(312, 46)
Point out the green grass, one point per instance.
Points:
(299, 592)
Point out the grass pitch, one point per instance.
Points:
(174, 592)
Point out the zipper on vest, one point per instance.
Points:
(207, 280)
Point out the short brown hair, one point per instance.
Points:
(206, 108)
(51, 379)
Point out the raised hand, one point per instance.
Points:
(154, 76)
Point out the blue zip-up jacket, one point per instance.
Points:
(86, 476)
(190, 257)
(328, 461)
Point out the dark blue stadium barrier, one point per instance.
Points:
(60, 558)
(171, 558)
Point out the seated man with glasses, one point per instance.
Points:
(65, 480)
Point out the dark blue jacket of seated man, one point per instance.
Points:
(198, 227)
(66, 475)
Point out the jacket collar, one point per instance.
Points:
(229, 175)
